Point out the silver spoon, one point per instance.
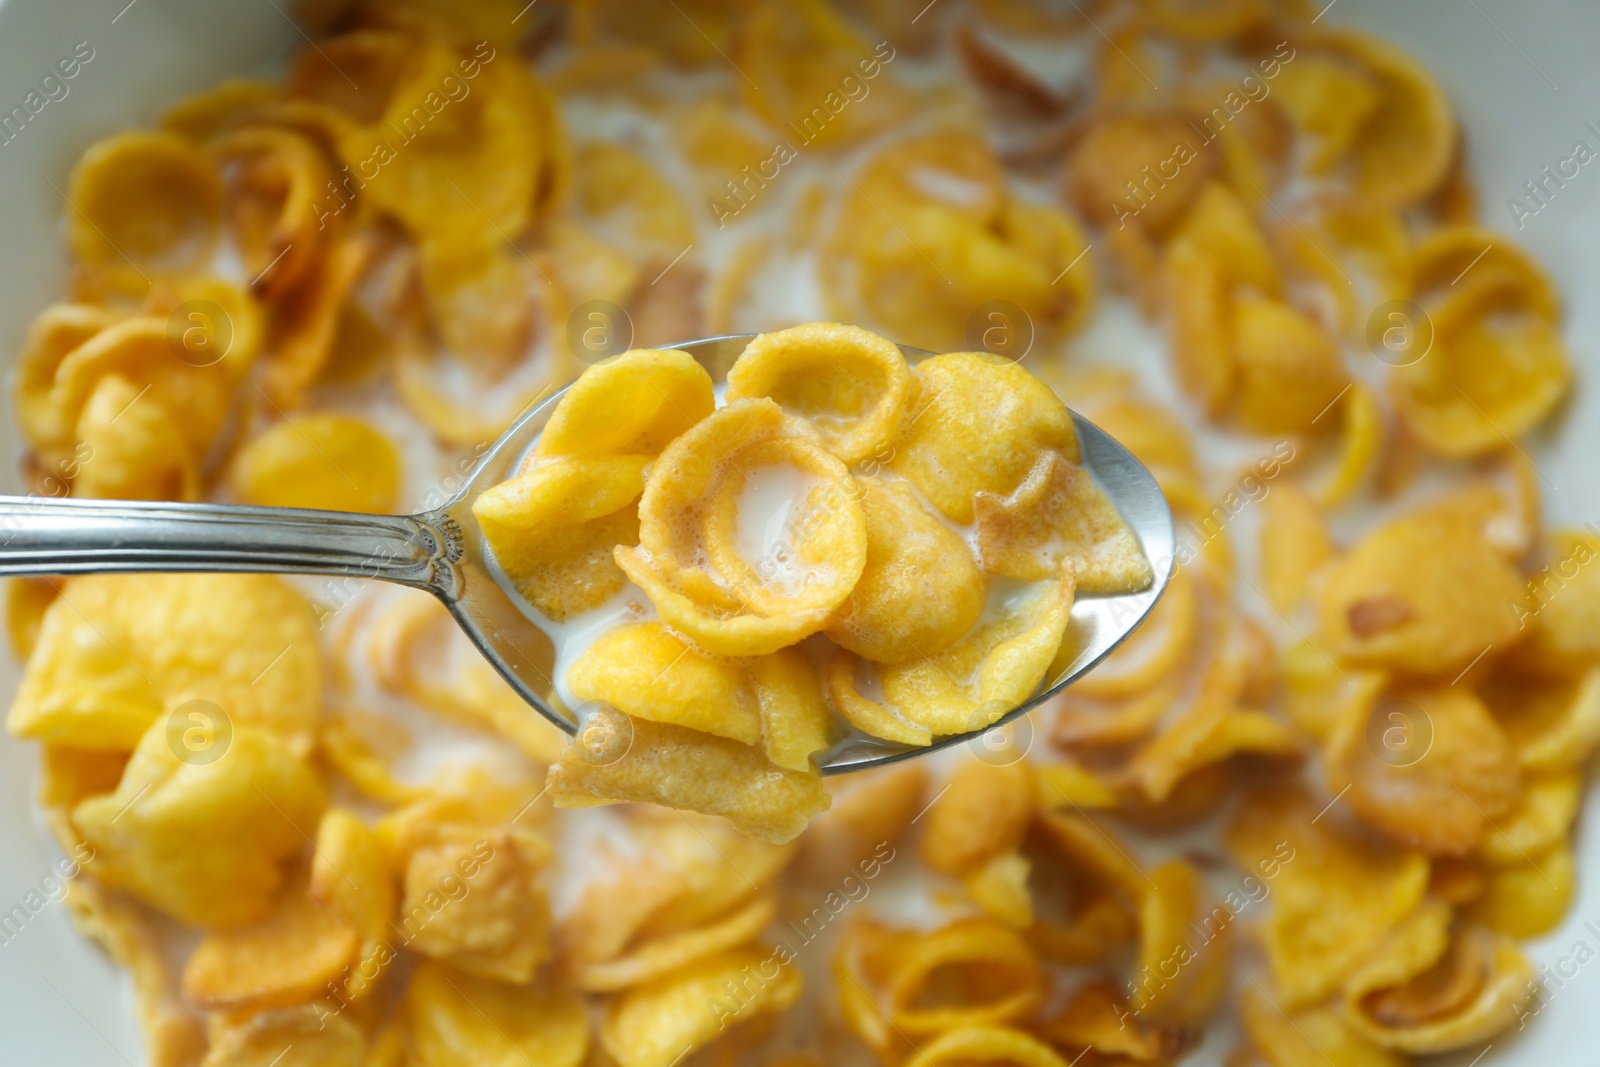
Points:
(443, 551)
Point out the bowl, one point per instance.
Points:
(1523, 81)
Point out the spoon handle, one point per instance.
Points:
(40, 535)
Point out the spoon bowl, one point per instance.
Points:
(444, 552)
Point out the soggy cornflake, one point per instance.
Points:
(982, 813)
(1058, 512)
(456, 1019)
(850, 383)
(651, 1025)
(795, 723)
(972, 972)
(287, 958)
(329, 461)
(472, 893)
(1435, 773)
(647, 672)
(204, 841)
(1530, 897)
(120, 655)
(990, 671)
(730, 605)
(151, 197)
(687, 769)
(929, 236)
(1336, 895)
(977, 425)
(1434, 988)
(252, 275)
(1424, 593)
(659, 395)
(553, 528)
(668, 952)
(920, 589)
(1303, 1037)
(304, 1036)
(1499, 367)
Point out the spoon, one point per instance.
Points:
(444, 552)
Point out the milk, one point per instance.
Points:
(770, 511)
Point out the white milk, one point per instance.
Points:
(771, 510)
